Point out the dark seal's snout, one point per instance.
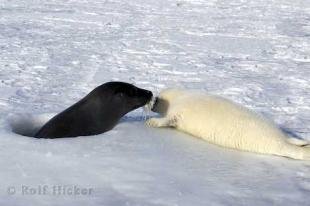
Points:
(149, 95)
(141, 97)
(146, 94)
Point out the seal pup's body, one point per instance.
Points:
(225, 123)
(96, 113)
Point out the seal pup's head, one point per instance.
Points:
(160, 104)
(124, 96)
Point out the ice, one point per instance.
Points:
(54, 52)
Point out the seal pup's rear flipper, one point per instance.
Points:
(298, 142)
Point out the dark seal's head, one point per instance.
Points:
(124, 96)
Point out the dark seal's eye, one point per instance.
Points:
(119, 93)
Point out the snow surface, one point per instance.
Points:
(54, 52)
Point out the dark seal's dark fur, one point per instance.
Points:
(96, 113)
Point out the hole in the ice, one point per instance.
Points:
(28, 124)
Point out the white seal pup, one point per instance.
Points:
(225, 123)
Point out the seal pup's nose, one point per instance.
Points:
(154, 105)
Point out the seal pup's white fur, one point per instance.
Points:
(225, 123)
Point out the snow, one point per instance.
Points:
(54, 52)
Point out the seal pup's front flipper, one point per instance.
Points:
(169, 121)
